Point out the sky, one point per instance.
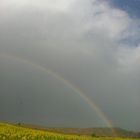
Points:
(130, 6)
(73, 63)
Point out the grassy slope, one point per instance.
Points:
(107, 132)
(12, 132)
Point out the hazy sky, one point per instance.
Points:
(92, 44)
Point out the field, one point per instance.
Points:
(11, 132)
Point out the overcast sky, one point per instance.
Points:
(93, 44)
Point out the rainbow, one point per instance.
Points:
(92, 103)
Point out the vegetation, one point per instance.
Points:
(94, 132)
(10, 132)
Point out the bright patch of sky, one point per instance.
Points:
(130, 6)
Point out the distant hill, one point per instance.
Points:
(97, 132)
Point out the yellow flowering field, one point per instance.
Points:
(11, 132)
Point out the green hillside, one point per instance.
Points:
(12, 132)
(98, 132)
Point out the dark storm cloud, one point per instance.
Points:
(83, 41)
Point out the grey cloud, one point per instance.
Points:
(83, 44)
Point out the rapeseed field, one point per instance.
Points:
(11, 132)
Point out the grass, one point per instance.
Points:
(11, 132)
